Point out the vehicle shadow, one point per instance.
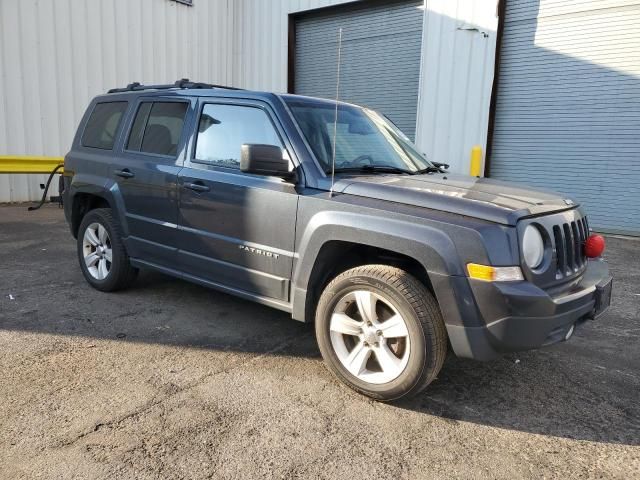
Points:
(547, 392)
(557, 391)
(536, 393)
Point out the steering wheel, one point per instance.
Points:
(360, 161)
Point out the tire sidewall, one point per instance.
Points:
(418, 356)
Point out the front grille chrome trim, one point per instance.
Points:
(568, 240)
(564, 262)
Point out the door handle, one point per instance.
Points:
(124, 173)
(197, 187)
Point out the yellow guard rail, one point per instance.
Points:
(29, 164)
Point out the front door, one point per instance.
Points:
(146, 172)
(236, 230)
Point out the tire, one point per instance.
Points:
(105, 243)
(344, 336)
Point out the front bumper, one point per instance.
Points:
(520, 316)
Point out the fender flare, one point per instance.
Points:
(107, 189)
(429, 246)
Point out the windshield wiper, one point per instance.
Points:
(373, 168)
(437, 167)
(429, 169)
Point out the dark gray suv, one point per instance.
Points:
(327, 211)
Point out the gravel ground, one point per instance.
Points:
(171, 380)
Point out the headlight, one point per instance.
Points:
(532, 247)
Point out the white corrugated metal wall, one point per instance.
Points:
(55, 55)
(53, 60)
(261, 31)
(458, 53)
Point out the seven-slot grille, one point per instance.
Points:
(568, 241)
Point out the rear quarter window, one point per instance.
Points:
(102, 126)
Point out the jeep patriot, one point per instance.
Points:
(327, 211)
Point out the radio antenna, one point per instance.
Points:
(335, 120)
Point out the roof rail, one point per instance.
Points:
(182, 83)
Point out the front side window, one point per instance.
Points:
(157, 128)
(102, 126)
(363, 138)
(224, 128)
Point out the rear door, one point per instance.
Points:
(145, 172)
(236, 230)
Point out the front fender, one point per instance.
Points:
(430, 246)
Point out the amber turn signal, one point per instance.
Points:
(494, 274)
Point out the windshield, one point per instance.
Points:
(365, 139)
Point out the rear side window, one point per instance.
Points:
(224, 128)
(157, 128)
(103, 124)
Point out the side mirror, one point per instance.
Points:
(264, 160)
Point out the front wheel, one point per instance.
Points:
(380, 331)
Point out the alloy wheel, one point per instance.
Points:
(97, 252)
(370, 337)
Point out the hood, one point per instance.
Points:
(482, 198)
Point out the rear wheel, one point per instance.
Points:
(380, 331)
(101, 253)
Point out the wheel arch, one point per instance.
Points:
(334, 242)
(82, 204)
(88, 194)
